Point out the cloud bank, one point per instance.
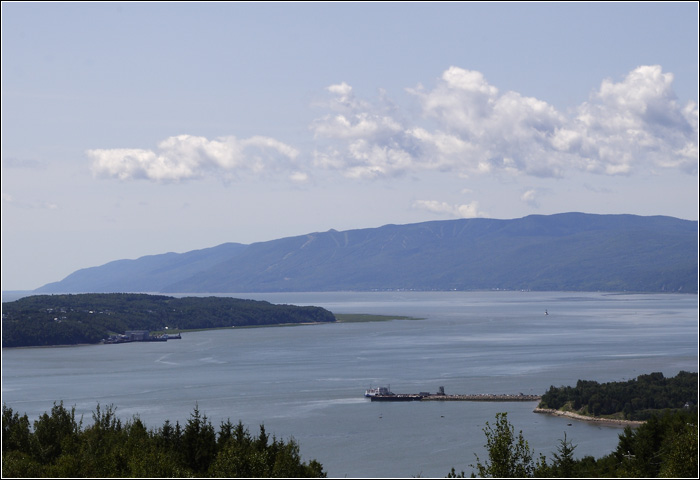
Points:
(466, 127)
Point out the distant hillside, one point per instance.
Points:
(564, 252)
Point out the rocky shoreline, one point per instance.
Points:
(576, 416)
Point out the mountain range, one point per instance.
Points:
(561, 252)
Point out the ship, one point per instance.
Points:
(383, 394)
(373, 392)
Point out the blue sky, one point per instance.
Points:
(132, 129)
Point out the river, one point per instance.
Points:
(308, 381)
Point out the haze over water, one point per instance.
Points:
(308, 381)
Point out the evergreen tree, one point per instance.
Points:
(564, 464)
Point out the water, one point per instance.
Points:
(308, 381)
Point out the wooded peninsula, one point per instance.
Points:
(44, 320)
(636, 399)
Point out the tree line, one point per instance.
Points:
(635, 399)
(42, 320)
(59, 446)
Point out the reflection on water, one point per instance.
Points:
(309, 381)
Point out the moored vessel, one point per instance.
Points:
(379, 391)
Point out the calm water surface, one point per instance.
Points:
(308, 381)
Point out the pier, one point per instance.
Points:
(485, 398)
(403, 397)
(385, 395)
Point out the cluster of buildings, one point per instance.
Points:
(140, 336)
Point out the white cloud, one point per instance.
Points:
(467, 128)
(633, 125)
(299, 177)
(186, 157)
(530, 197)
(506, 131)
(364, 140)
(470, 210)
(343, 99)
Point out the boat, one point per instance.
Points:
(373, 392)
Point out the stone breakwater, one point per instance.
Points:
(576, 416)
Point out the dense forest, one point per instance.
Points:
(59, 446)
(42, 320)
(635, 399)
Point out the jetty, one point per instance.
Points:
(387, 396)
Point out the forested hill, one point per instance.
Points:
(88, 318)
(564, 252)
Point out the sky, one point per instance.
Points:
(133, 129)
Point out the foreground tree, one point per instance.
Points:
(58, 446)
(509, 456)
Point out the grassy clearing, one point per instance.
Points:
(339, 317)
(364, 317)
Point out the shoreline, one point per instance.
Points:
(599, 420)
(339, 318)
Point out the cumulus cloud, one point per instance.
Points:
(470, 210)
(626, 126)
(635, 123)
(186, 157)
